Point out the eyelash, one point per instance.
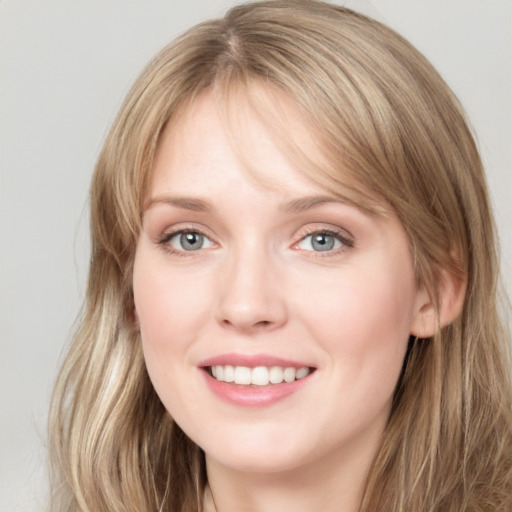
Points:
(166, 238)
(345, 241)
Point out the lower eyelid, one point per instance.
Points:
(337, 243)
(166, 239)
(342, 241)
(342, 238)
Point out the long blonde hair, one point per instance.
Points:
(379, 111)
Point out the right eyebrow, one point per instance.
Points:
(302, 204)
(186, 203)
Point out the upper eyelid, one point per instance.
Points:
(324, 228)
(300, 234)
(164, 242)
(166, 237)
(347, 239)
(184, 228)
(179, 233)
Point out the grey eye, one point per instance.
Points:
(320, 242)
(190, 241)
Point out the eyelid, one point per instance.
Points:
(342, 235)
(346, 239)
(165, 237)
(177, 239)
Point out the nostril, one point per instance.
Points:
(250, 325)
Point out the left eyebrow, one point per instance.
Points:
(303, 204)
(187, 203)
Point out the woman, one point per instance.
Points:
(292, 292)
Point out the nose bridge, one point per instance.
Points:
(250, 296)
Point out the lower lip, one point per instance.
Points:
(254, 396)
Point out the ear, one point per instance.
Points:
(452, 291)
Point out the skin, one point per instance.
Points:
(257, 286)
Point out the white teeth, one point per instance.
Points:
(258, 376)
(276, 375)
(301, 373)
(229, 374)
(242, 375)
(289, 374)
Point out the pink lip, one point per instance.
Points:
(251, 396)
(250, 361)
(248, 396)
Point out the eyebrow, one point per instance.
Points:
(307, 203)
(303, 204)
(187, 203)
(298, 205)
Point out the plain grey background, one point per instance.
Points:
(64, 69)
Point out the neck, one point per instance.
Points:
(327, 485)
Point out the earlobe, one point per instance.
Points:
(427, 320)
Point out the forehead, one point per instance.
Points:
(212, 135)
(218, 144)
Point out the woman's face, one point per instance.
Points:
(303, 303)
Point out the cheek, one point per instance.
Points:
(171, 308)
(167, 301)
(363, 318)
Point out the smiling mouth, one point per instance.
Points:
(259, 375)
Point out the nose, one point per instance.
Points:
(251, 298)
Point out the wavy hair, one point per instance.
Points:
(380, 112)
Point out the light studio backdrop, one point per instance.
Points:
(64, 69)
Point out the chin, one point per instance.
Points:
(257, 453)
(255, 462)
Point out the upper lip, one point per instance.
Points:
(251, 361)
